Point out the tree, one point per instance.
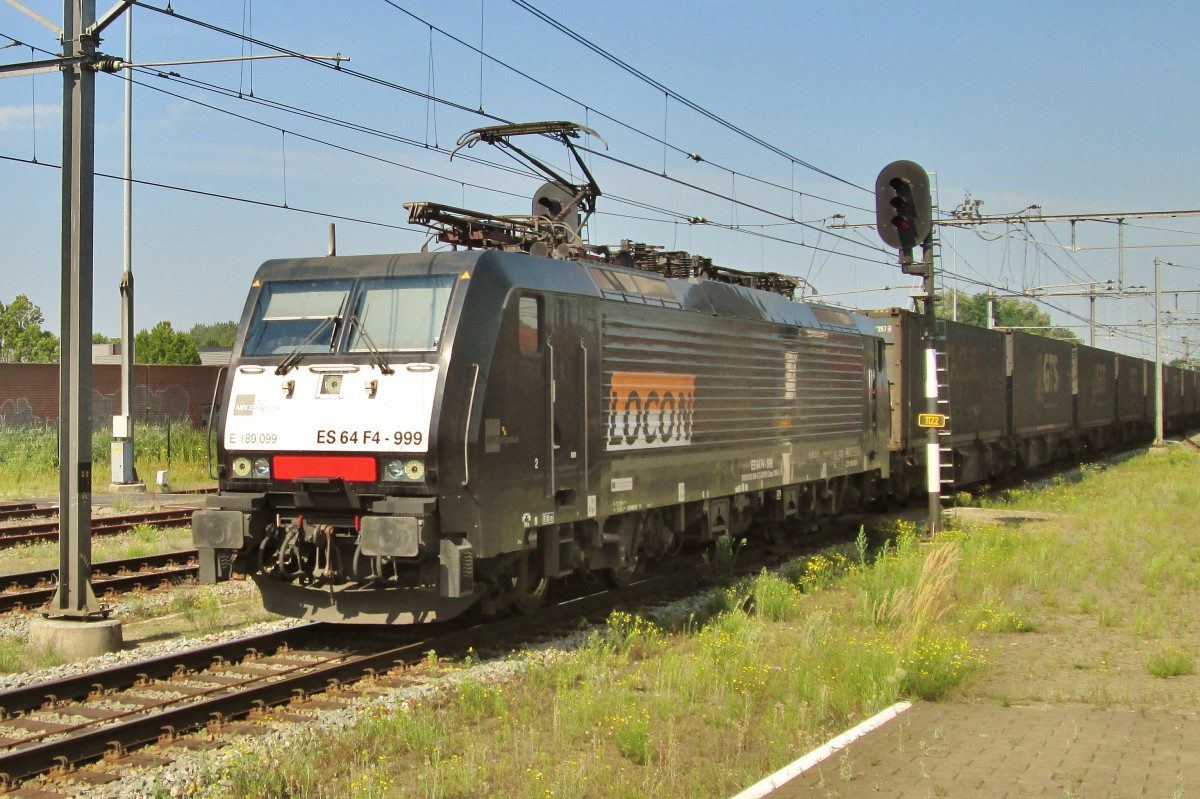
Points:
(218, 334)
(22, 339)
(1009, 312)
(164, 344)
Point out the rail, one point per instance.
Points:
(34, 532)
(35, 588)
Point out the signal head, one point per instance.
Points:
(903, 206)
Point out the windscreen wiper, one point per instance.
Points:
(296, 354)
(293, 357)
(380, 361)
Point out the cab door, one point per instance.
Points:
(566, 399)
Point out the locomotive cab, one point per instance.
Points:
(327, 455)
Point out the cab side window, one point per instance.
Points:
(529, 324)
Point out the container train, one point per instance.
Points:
(404, 437)
(1016, 401)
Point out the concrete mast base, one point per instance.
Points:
(76, 639)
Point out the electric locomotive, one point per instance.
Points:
(405, 436)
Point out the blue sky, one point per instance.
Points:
(1075, 106)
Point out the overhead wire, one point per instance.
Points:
(292, 109)
(351, 126)
(275, 105)
(1007, 292)
(606, 55)
(424, 95)
(230, 197)
(337, 67)
(691, 154)
(430, 98)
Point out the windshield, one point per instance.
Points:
(299, 317)
(400, 313)
(288, 314)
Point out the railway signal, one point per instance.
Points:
(904, 219)
(904, 211)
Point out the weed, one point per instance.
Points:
(845, 766)
(937, 663)
(1170, 662)
(122, 503)
(1109, 616)
(914, 610)
(29, 456)
(480, 700)
(201, 609)
(11, 648)
(775, 598)
(860, 546)
(823, 570)
(627, 633)
(724, 554)
(999, 619)
(631, 733)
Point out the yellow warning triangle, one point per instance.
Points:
(465, 276)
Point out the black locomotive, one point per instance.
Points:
(407, 435)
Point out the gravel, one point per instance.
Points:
(191, 771)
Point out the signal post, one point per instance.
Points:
(904, 218)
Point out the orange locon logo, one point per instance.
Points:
(650, 409)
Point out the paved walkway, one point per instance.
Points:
(986, 750)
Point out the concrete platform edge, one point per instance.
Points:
(789, 772)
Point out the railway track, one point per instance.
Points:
(53, 728)
(33, 589)
(24, 510)
(37, 531)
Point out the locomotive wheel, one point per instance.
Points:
(524, 588)
(621, 576)
(528, 595)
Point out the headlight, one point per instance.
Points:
(262, 468)
(241, 467)
(412, 471)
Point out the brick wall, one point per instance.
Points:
(29, 393)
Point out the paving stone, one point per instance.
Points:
(981, 750)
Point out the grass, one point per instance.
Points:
(670, 706)
(17, 655)
(1171, 662)
(29, 458)
(142, 541)
(188, 611)
(199, 607)
(702, 702)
